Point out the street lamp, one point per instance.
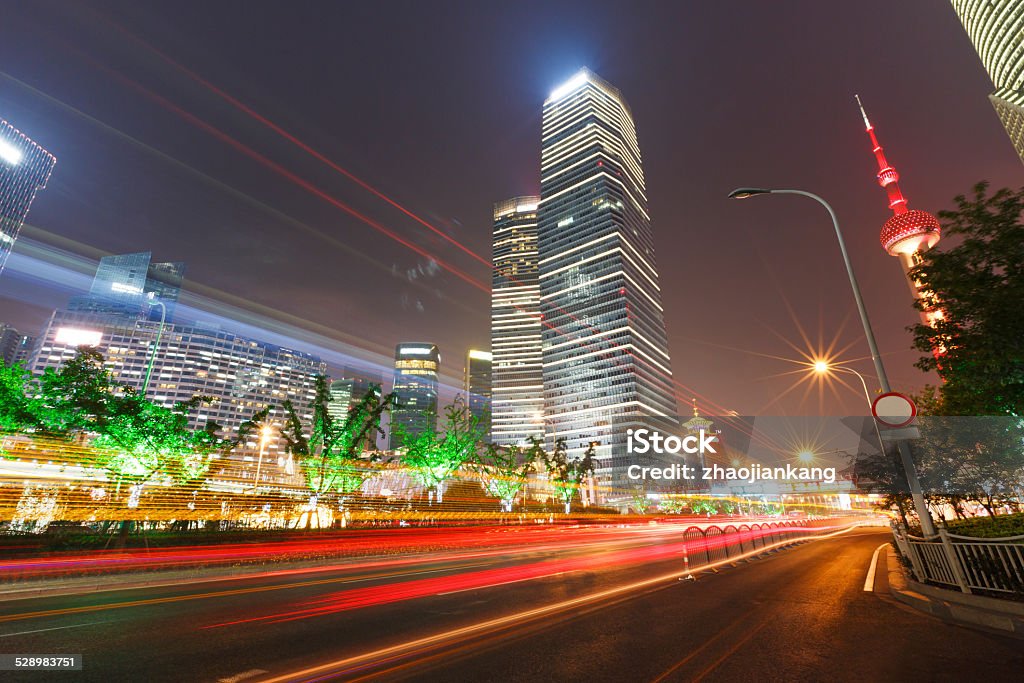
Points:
(151, 300)
(266, 431)
(908, 463)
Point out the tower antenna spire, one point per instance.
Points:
(867, 124)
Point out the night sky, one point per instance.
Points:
(438, 105)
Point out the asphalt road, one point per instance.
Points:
(598, 605)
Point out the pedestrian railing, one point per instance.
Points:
(965, 562)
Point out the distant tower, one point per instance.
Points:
(996, 27)
(477, 384)
(24, 169)
(415, 388)
(909, 232)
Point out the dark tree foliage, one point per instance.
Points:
(979, 284)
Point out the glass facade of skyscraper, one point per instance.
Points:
(24, 169)
(478, 383)
(124, 281)
(605, 352)
(517, 394)
(996, 27)
(415, 388)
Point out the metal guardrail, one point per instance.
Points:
(965, 562)
(715, 544)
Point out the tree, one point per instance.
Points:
(564, 473)
(434, 457)
(504, 472)
(15, 405)
(979, 285)
(671, 506)
(332, 454)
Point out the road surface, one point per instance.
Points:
(598, 605)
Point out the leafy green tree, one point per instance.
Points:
(641, 502)
(133, 439)
(978, 282)
(504, 472)
(15, 404)
(434, 457)
(671, 506)
(566, 474)
(332, 453)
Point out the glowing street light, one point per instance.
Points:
(805, 456)
(266, 432)
(151, 300)
(908, 463)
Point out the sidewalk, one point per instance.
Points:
(992, 614)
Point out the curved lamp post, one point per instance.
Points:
(908, 463)
(152, 301)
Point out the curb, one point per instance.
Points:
(991, 614)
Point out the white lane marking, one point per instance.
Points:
(869, 580)
(251, 673)
(54, 628)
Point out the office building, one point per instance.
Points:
(477, 384)
(415, 388)
(517, 396)
(605, 352)
(131, 285)
(25, 168)
(241, 375)
(14, 346)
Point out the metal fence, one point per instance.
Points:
(965, 562)
(715, 544)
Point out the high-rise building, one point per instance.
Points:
(909, 232)
(240, 375)
(996, 27)
(517, 397)
(14, 345)
(477, 383)
(346, 391)
(125, 284)
(25, 168)
(605, 352)
(415, 389)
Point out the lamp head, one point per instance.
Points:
(746, 192)
(821, 367)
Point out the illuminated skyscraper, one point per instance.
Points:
(123, 283)
(477, 384)
(909, 232)
(415, 388)
(517, 396)
(996, 27)
(24, 169)
(605, 352)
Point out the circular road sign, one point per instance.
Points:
(894, 409)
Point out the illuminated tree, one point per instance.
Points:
(641, 502)
(504, 472)
(15, 405)
(566, 474)
(133, 439)
(671, 506)
(434, 457)
(332, 453)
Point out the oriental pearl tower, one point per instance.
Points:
(909, 232)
